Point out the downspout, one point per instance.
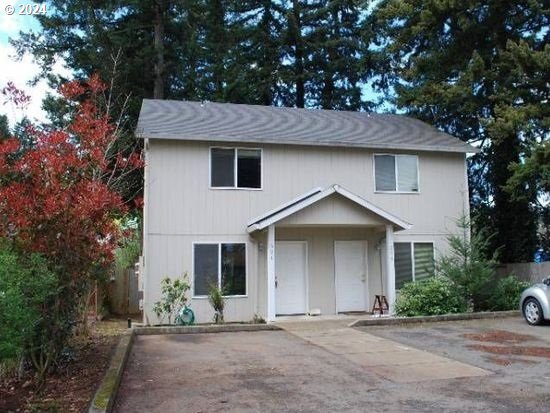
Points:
(145, 233)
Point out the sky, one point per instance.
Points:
(21, 72)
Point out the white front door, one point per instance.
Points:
(290, 277)
(350, 266)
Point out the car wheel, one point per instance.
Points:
(532, 311)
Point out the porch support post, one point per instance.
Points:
(390, 268)
(270, 273)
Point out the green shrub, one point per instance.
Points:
(14, 316)
(26, 287)
(506, 293)
(129, 248)
(467, 267)
(173, 297)
(215, 297)
(431, 296)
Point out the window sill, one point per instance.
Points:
(205, 297)
(231, 188)
(398, 192)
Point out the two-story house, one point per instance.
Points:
(292, 211)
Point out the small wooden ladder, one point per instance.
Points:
(380, 304)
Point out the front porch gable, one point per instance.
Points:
(340, 213)
(334, 207)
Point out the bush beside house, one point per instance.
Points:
(465, 280)
(26, 287)
(431, 296)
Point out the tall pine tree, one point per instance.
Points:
(337, 55)
(446, 62)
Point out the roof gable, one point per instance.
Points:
(334, 210)
(321, 212)
(226, 122)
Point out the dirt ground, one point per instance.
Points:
(279, 372)
(71, 388)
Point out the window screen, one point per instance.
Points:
(206, 267)
(423, 260)
(249, 168)
(403, 264)
(233, 277)
(384, 171)
(407, 173)
(222, 163)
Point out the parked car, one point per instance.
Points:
(535, 302)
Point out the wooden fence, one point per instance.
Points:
(529, 271)
(123, 292)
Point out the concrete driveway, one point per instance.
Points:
(296, 372)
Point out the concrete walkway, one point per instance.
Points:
(386, 358)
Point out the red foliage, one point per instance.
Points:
(55, 198)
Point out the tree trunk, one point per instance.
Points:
(159, 12)
(299, 56)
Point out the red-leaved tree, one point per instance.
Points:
(59, 198)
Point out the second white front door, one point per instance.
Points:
(290, 277)
(350, 265)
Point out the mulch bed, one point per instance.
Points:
(508, 360)
(513, 350)
(508, 349)
(499, 336)
(71, 388)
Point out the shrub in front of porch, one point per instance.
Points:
(431, 296)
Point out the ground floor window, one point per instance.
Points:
(219, 264)
(413, 261)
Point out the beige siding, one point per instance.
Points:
(179, 183)
(182, 209)
(333, 210)
(172, 256)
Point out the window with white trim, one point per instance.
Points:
(222, 265)
(396, 173)
(236, 168)
(413, 261)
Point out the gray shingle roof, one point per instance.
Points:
(226, 122)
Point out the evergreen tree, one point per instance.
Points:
(296, 54)
(302, 53)
(4, 127)
(450, 64)
(123, 41)
(255, 71)
(336, 56)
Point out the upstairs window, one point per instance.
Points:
(238, 168)
(414, 261)
(396, 173)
